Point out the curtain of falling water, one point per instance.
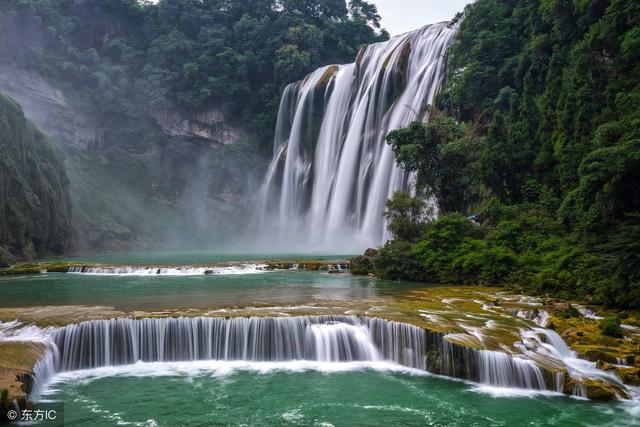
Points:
(332, 171)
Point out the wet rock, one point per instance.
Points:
(598, 354)
(209, 125)
(371, 252)
(363, 264)
(628, 374)
(599, 390)
(593, 389)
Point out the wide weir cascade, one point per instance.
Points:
(332, 170)
(101, 343)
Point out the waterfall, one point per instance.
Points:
(332, 171)
(551, 345)
(101, 343)
(169, 271)
(542, 365)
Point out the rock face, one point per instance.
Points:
(209, 125)
(34, 199)
(183, 167)
(50, 110)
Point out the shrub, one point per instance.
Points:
(611, 327)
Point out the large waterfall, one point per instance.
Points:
(332, 171)
(101, 343)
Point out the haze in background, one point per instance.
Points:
(400, 16)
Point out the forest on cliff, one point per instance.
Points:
(532, 155)
(126, 54)
(34, 204)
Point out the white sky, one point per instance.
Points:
(400, 16)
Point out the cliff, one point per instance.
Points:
(191, 170)
(34, 200)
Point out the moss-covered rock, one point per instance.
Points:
(611, 327)
(599, 390)
(361, 265)
(36, 268)
(628, 374)
(16, 367)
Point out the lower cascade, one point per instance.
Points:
(102, 343)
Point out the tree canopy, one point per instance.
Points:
(124, 54)
(537, 124)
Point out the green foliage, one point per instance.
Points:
(393, 262)
(516, 245)
(611, 327)
(361, 266)
(441, 153)
(570, 312)
(127, 54)
(4, 399)
(537, 134)
(34, 205)
(406, 216)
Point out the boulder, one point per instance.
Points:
(361, 265)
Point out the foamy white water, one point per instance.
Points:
(170, 271)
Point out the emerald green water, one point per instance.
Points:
(165, 292)
(182, 395)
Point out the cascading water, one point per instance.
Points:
(169, 271)
(332, 171)
(115, 342)
(548, 344)
(321, 339)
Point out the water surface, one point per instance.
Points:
(243, 393)
(156, 292)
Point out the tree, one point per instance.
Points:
(406, 216)
(365, 12)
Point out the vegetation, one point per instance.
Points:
(34, 200)
(128, 54)
(532, 154)
(611, 327)
(4, 399)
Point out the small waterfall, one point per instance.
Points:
(551, 346)
(332, 171)
(539, 317)
(588, 313)
(332, 342)
(125, 341)
(168, 271)
(45, 369)
(503, 370)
